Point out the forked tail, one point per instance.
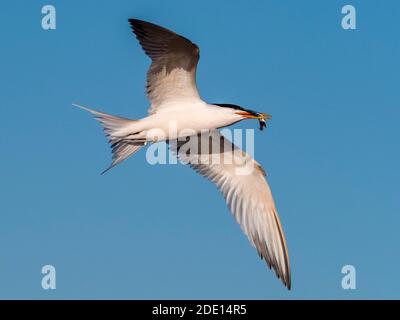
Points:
(122, 149)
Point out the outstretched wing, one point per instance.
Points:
(243, 184)
(172, 74)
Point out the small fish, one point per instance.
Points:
(263, 124)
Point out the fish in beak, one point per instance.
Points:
(262, 117)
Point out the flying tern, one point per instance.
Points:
(173, 94)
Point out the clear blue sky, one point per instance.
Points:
(141, 231)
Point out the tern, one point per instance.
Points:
(174, 98)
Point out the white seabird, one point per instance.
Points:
(172, 91)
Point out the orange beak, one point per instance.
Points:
(249, 115)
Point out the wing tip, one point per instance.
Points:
(140, 24)
(133, 22)
(136, 25)
(285, 276)
(287, 281)
(288, 284)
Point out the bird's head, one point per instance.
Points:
(247, 114)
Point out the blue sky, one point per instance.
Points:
(149, 232)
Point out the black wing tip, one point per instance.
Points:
(135, 23)
(142, 28)
(287, 282)
(139, 24)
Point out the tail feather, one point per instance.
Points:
(121, 152)
(121, 148)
